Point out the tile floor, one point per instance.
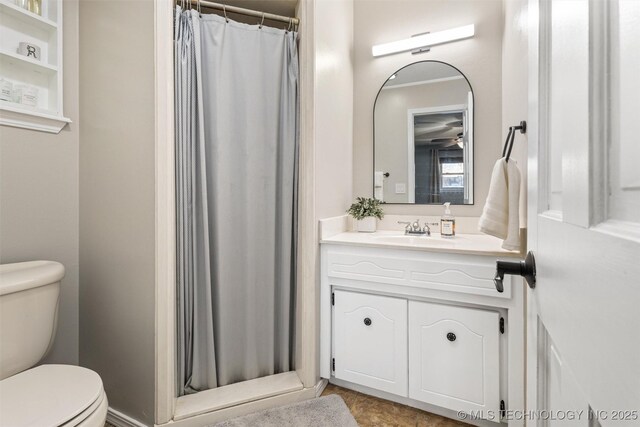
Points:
(371, 411)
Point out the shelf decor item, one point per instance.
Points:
(6, 90)
(29, 50)
(366, 211)
(24, 4)
(25, 95)
(35, 6)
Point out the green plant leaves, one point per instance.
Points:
(366, 207)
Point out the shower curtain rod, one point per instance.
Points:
(242, 11)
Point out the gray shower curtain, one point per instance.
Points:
(435, 177)
(236, 183)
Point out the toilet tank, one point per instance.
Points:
(28, 313)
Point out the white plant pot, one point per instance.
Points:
(367, 225)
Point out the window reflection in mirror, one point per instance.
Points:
(423, 136)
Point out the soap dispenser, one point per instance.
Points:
(447, 223)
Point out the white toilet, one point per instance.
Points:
(47, 395)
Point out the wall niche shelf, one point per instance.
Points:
(43, 74)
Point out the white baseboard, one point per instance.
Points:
(322, 384)
(118, 419)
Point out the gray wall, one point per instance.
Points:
(333, 106)
(479, 58)
(117, 179)
(39, 197)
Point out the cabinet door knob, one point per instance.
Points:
(367, 321)
(451, 336)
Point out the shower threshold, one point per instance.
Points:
(227, 401)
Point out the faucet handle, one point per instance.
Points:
(416, 225)
(407, 225)
(426, 229)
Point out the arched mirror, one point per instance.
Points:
(423, 136)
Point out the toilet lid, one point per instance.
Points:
(48, 395)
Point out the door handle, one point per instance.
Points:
(525, 268)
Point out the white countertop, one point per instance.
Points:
(470, 244)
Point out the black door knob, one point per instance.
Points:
(451, 336)
(367, 321)
(525, 268)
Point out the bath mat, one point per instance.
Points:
(326, 411)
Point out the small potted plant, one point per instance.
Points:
(366, 211)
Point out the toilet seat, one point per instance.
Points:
(93, 416)
(52, 395)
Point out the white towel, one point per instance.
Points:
(378, 179)
(500, 216)
(378, 185)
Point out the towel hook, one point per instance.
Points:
(513, 136)
(262, 21)
(522, 127)
(508, 144)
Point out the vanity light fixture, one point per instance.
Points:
(428, 39)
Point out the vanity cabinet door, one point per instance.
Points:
(370, 346)
(454, 357)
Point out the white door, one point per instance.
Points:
(370, 345)
(454, 357)
(584, 212)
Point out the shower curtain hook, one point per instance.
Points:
(224, 10)
(290, 24)
(198, 7)
(262, 21)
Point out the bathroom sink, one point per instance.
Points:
(413, 240)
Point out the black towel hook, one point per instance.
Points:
(508, 144)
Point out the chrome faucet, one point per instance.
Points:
(414, 228)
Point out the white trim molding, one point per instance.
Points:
(214, 417)
(118, 419)
(34, 120)
(215, 399)
(411, 161)
(306, 317)
(322, 384)
(165, 389)
(307, 257)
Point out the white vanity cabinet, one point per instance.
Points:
(454, 355)
(371, 341)
(422, 327)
